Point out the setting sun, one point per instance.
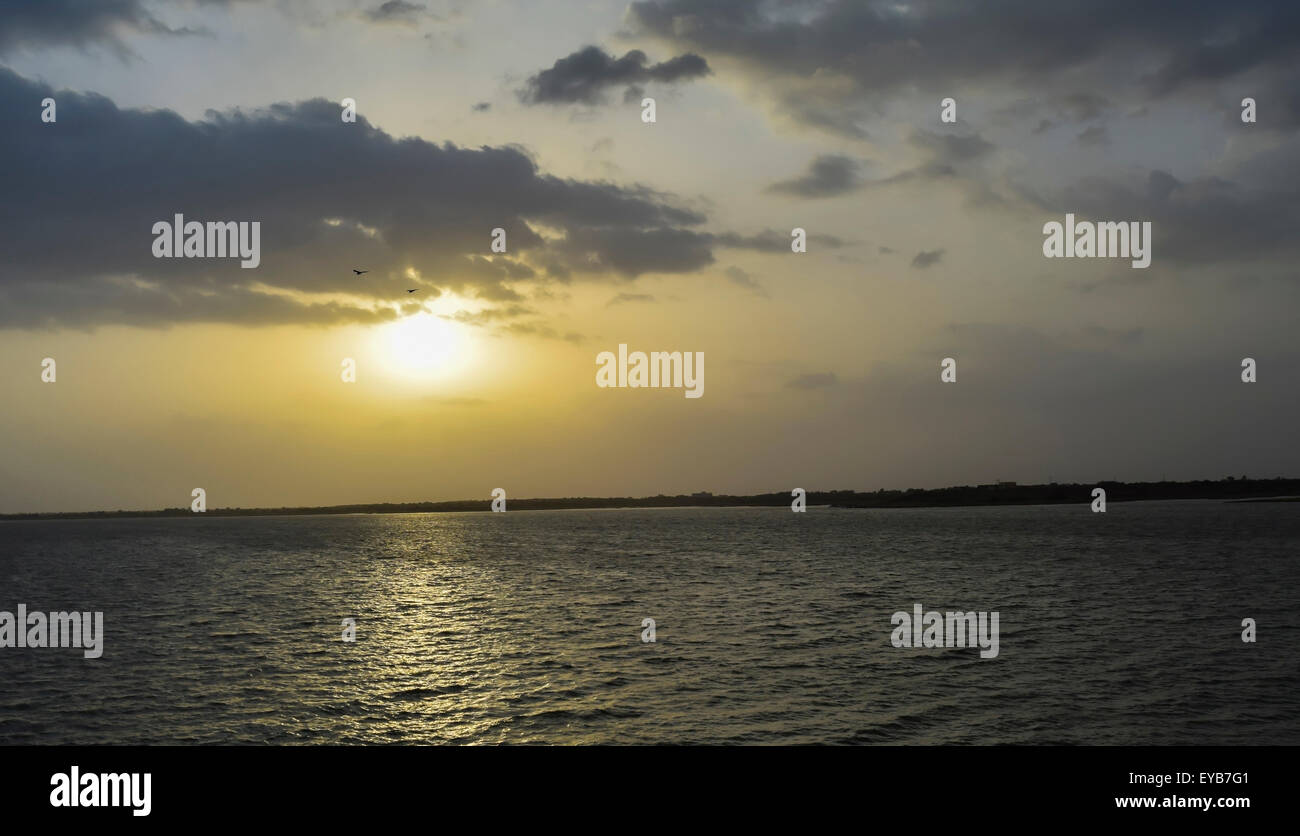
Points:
(424, 346)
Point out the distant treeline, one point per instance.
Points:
(998, 494)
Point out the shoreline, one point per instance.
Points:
(1228, 490)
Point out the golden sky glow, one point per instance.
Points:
(822, 367)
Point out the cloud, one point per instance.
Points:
(829, 175)
(956, 158)
(832, 64)
(396, 11)
(771, 241)
(926, 258)
(1247, 214)
(490, 315)
(545, 332)
(583, 76)
(76, 23)
(624, 298)
(950, 148)
(737, 276)
(498, 319)
(102, 176)
(1094, 136)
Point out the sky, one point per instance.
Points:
(925, 241)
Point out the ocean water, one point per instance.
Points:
(771, 627)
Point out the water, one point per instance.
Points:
(772, 627)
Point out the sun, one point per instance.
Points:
(423, 346)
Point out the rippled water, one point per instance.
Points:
(772, 627)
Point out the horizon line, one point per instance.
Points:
(1008, 491)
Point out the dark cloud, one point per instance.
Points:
(633, 251)
(34, 24)
(943, 157)
(926, 258)
(26, 24)
(830, 63)
(1204, 220)
(584, 76)
(81, 197)
(829, 175)
(395, 11)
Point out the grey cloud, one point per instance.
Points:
(829, 175)
(950, 147)
(632, 252)
(102, 176)
(943, 157)
(395, 11)
(1204, 220)
(76, 23)
(828, 64)
(583, 76)
(1079, 106)
(926, 258)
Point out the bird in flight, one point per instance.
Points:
(359, 272)
(412, 291)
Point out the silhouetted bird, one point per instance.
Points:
(359, 272)
(412, 291)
